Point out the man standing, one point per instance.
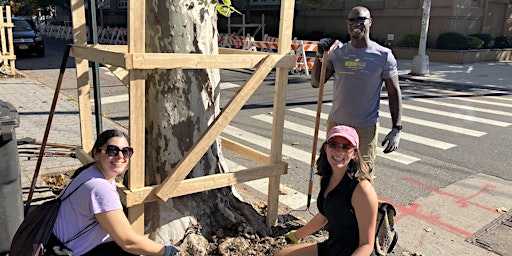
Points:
(359, 68)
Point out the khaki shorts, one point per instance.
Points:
(368, 137)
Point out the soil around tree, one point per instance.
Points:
(230, 242)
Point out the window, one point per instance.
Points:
(105, 4)
(122, 4)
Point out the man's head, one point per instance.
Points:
(359, 22)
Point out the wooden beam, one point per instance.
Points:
(205, 61)
(99, 55)
(121, 73)
(245, 151)
(223, 50)
(137, 121)
(174, 60)
(185, 165)
(83, 156)
(82, 75)
(276, 147)
(194, 185)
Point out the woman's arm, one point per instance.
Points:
(317, 222)
(118, 227)
(365, 203)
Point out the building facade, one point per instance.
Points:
(392, 19)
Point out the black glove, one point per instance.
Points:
(324, 45)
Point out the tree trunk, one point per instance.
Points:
(180, 105)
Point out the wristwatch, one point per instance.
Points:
(399, 127)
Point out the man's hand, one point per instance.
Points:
(324, 45)
(291, 238)
(392, 139)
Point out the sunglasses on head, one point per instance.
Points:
(357, 20)
(337, 146)
(112, 150)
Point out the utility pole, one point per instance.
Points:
(100, 5)
(420, 62)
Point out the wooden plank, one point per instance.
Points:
(82, 74)
(245, 151)
(194, 185)
(121, 73)
(99, 55)
(83, 156)
(137, 121)
(10, 40)
(110, 47)
(185, 165)
(223, 50)
(285, 36)
(206, 61)
(174, 60)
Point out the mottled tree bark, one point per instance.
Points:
(180, 105)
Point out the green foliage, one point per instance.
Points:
(488, 40)
(452, 41)
(411, 40)
(501, 42)
(474, 42)
(226, 9)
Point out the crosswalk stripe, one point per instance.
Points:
(289, 151)
(469, 108)
(406, 135)
(227, 85)
(288, 196)
(440, 126)
(501, 97)
(444, 92)
(453, 115)
(435, 125)
(395, 156)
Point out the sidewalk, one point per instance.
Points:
(486, 74)
(33, 103)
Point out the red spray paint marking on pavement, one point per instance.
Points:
(462, 201)
(412, 211)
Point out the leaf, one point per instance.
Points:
(225, 9)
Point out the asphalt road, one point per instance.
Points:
(454, 149)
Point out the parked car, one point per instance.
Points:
(26, 38)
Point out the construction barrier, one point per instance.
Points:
(304, 50)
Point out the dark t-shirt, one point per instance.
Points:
(342, 222)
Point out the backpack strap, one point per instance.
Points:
(88, 227)
(80, 233)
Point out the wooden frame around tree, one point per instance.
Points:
(132, 60)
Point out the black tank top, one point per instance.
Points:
(342, 222)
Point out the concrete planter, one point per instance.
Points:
(456, 56)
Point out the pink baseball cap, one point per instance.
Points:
(346, 132)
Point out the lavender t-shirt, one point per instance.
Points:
(77, 212)
(358, 77)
